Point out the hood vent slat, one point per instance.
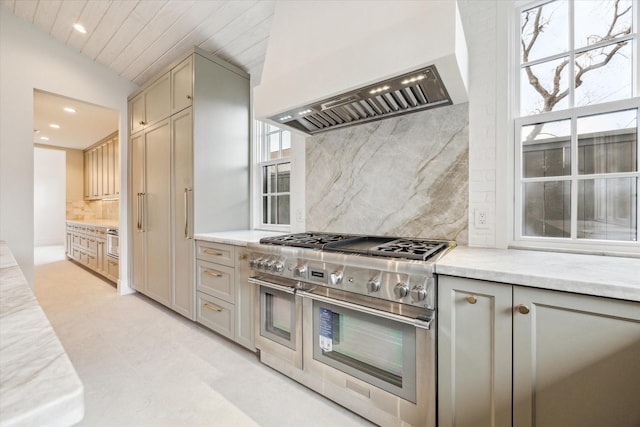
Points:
(417, 91)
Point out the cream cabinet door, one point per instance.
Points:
(157, 100)
(136, 113)
(157, 212)
(138, 265)
(182, 85)
(474, 353)
(576, 360)
(183, 299)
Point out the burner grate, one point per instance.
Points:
(407, 248)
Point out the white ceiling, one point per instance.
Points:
(138, 38)
(89, 124)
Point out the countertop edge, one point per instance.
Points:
(610, 277)
(38, 382)
(235, 237)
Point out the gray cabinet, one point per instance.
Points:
(150, 105)
(151, 202)
(86, 245)
(101, 169)
(224, 295)
(190, 173)
(574, 358)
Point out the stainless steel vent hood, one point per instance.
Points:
(332, 64)
(408, 93)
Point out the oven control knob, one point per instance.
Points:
(418, 293)
(401, 290)
(277, 267)
(253, 263)
(336, 277)
(300, 270)
(373, 285)
(260, 263)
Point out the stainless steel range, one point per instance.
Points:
(352, 317)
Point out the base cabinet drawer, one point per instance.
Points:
(215, 314)
(113, 271)
(216, 280)
(215, 252)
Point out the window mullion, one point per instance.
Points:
(574, 178)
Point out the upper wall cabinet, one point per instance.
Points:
(182, 85)
(102, 169)
(151, 105)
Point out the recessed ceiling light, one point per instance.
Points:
(79, 28)
(69, 110)
(44, 138)
(55, 126)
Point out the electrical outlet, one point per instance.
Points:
(481, 219)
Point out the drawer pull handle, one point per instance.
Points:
(212, 273)
(212, 252)
(523, 309)
(472, 299)
(213, 308)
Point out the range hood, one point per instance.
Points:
(332, 64)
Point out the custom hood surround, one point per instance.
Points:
(332, 64)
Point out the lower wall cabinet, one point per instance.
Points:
(224, 296)
(517, 356)
(87, 245)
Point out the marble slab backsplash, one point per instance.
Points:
(93, 209)
(406, 176)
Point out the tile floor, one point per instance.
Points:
(144, 365)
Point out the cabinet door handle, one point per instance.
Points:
(141, 211)
(212, 273)
(187, 212)
(189, 97)
(523, 309)
(211, 252)
(213, 307)
(472, 299)
(142, 122)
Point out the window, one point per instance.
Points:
(274, 169)
(576, 126)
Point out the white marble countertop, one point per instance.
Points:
(38, 383)
(605, 276)
(236, 237)
(99, 222)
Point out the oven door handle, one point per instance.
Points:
(259, 282)
(423, 324)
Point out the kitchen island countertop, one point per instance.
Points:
(97, 222)
(38, 383)
(605, 276)
(237, 237)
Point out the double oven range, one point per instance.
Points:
(353, 318)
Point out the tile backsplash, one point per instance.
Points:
(93, 209)
(404, 176)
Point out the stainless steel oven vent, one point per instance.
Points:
(416, 91)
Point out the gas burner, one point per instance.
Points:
(409, 249)
(311, 240)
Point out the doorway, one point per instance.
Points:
(49, 195)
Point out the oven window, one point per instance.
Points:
(277, 316)
(374, 349)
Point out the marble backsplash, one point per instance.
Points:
(405, 176)
(93, 209)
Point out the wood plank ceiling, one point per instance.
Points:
(137, 38)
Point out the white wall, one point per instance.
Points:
(49, 200)
(486, 28)
(30, 59)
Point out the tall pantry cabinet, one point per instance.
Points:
(189, 141)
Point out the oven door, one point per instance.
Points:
(378, 364)
(278, 321)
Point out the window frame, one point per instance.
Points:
(517, 121)
(262, 160)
